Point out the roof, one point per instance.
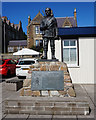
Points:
(77, 31)
(61, 20)
(16, 26)
(26, 51)
(18, 43)
(37, 19)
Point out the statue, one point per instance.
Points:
(48, 27)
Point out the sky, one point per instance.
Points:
(16, 11)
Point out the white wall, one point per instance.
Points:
(57, 50)
(84, 73)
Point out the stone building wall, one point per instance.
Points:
(10, 31)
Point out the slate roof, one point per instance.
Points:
(61, 20)
(16, 26)
(77, 31)
(18, 43)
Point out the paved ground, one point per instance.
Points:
(88, 92)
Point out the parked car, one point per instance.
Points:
(23, 67)
(7, 67)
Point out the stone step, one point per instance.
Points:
(46, 107)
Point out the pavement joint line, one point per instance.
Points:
(88, 95)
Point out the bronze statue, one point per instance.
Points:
(48, 27)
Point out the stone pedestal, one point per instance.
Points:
(68, 90)
(48, 102)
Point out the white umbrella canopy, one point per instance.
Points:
(26, 51)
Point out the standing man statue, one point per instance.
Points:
(49, 29)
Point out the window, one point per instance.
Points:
(37, 43)
(9, 62)
(70, 52)
(26, 62)
(10, 49)
(2, 62)
(40, 32)
(41, 42)
(13, 62)
(37, 29)
(18, 48)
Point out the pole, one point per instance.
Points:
(4, 39)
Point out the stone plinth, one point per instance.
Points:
(48, 102)
(46, 106)
(49, 66)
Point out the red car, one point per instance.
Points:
(7, 67)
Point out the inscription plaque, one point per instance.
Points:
(47, 80)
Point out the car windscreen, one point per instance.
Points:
(2, 62)
(26, 62)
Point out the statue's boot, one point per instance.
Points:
(53, 55)
(45, 55)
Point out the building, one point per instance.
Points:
(76, 48)
(16, 45)
(0, 35)
(10, 31)
(34, 35)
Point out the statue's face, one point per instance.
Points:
(48, 12)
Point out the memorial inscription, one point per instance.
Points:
(47, 80)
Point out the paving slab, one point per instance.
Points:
(40, 117)
(86, 119)
(17, 116)
(86, 91)
(90, 90)
(64, 117)
(82, 92)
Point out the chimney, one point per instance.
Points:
(29, 19)
(20, 24)
(8, 22)
(5, 18)
(75, 13)
(75, 17)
